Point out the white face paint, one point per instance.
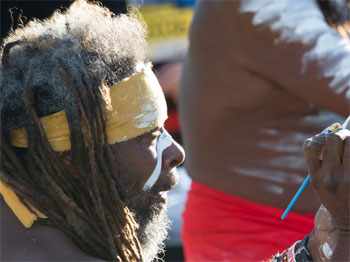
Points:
(303, 21)
(164, 141)
(149, 115)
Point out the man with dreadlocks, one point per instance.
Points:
(83, 149)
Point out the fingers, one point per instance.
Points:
(334, 147)
(332, 150)
(313, 151)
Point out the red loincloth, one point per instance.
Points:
(221, 227)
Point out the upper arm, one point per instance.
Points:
(295, 48)
(287, 43)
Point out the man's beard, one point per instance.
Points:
(152, 232)
(150, 213)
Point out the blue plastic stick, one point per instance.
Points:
(344, 125)
(296, 197)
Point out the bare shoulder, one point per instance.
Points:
(34, 248)
(277, 41)
(38, 243)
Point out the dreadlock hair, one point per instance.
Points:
(337, 14)
(66, 63)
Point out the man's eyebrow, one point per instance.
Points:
(149, 133)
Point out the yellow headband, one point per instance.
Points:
(137, 106)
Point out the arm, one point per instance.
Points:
(286, 42)
(301, 52)
(328, 160)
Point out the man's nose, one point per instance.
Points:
(173, 156)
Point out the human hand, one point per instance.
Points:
(328, 160)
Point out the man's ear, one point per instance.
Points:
(67, 161)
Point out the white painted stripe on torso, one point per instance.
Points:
(163, 142)
(303, 21)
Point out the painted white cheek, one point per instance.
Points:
(164, 141)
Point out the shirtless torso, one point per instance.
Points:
(255, 81)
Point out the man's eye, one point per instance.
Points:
(150, 138)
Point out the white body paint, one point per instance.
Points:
(289, 144)
(323, 118)
(270, 175)
(303, 21)
(277, 190)
(286, 161)
(164, 141)
(327, 251)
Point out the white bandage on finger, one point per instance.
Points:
(163, 142)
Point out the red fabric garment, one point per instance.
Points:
(221, 227)
(172, 124)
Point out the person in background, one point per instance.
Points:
(259, 77)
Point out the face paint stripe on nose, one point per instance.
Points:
(163, 142)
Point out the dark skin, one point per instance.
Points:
(328, 160)
(136, 157)
(249, 93)
(38, 243)
(325, 155)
